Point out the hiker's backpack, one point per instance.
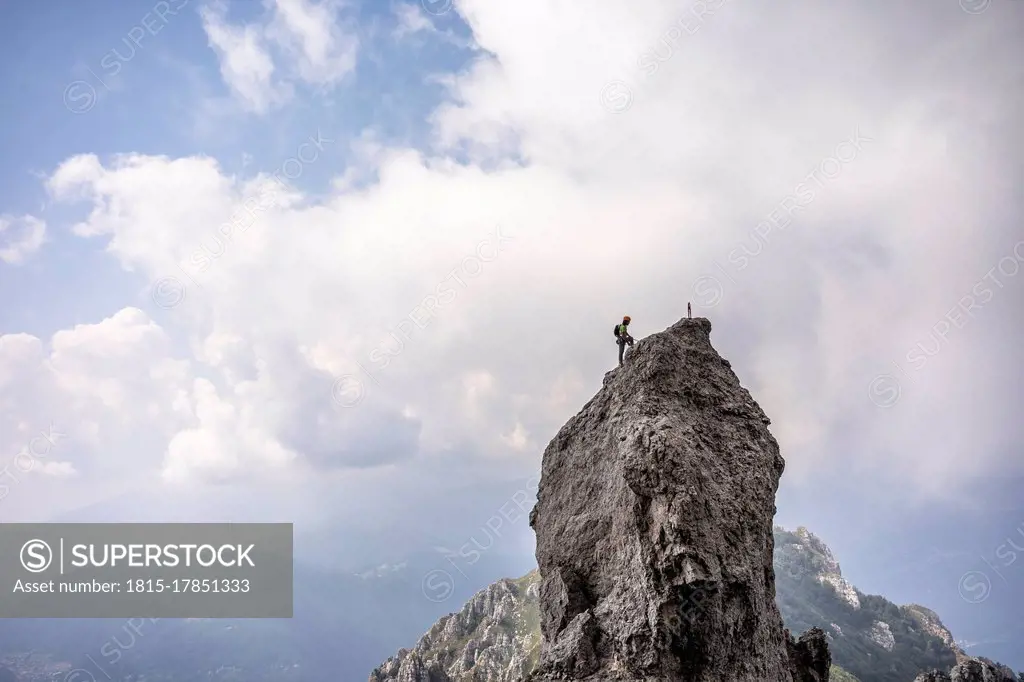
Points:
(617, 331)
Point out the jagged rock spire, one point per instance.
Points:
(654, 528)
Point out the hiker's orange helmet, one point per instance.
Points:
(625, 318)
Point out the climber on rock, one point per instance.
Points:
(622, 337)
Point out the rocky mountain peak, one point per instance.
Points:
(816, 545)
(503, 644)
(494, 637)
(971, 670)
(930, 623)
(807, 552)
(655, 549)
(654, 528)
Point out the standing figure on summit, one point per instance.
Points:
(622, 337)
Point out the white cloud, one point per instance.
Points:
(322, 51)
(298, 41)
(226, 443)
(245, 64)
(607, 212)
(96, 403)
(518, 438)
(411, 20)
(57, 469)
(20, 237)
(74, 176)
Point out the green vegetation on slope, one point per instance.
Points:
(837, 674)
(805, 601)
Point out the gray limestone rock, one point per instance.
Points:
(493, 638)
(654, 528)
(933, 676)
(809, 657)
(971, 670)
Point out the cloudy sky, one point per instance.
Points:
(298, 260)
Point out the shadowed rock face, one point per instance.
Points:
(809, 657)
(654, 527)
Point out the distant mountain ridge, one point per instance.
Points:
(346, 621)
(495, 637)
(869, 636)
